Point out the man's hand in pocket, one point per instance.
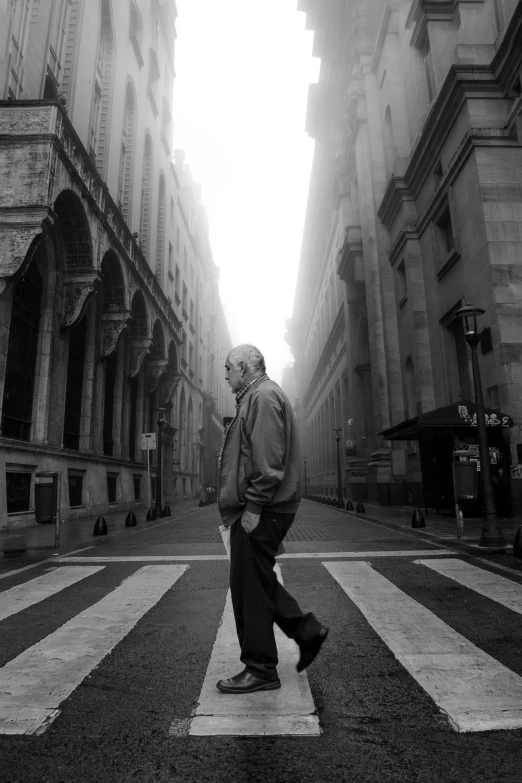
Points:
(250, 521)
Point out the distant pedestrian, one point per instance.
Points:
(259, 494)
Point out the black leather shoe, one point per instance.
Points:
(247, 683)
(310, 650)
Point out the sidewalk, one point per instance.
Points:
(41, 538)
(440, 526)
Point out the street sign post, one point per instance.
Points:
(148, 441)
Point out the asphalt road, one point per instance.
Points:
(377, 723)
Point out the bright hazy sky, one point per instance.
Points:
(242, 74)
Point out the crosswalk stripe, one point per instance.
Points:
(287, 556)
(22, 596)
(289, 710)
(498, 588)
(475, 691)
(33, 685)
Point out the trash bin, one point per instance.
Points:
(44, 502)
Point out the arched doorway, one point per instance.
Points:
(20, 372)
(114, 318)
(74, 242)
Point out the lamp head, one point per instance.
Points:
(469, 314)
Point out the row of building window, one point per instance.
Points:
(18, 489)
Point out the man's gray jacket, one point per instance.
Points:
(260, 465)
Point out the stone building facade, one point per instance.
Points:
(415, 207)
(109, 302)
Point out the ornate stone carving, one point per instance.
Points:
(51, 175)
(78, 289)
(112, 326)
(168, 386)
(139, 348)
(355, 103)
(25, 120)
(15, 241)
(156, 368)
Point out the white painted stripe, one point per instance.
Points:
(498, 588)
(141, 559)
(369, 554)
(475, 691)
(22, 596)
(16, 571)
(288, 710)
(33, 685)
(286, 556)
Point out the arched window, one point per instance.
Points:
(74, 386)
(17, 406)
(145, 197)
(160, 234)
(127, 155)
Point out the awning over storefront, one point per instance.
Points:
(458, 414)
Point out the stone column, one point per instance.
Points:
(6, 301)
(92, 410)
(46, 342)
(118, 403)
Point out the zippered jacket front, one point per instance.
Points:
(260, 463)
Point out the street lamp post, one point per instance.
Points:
(305, 481)
(491, 535)
(340, 501)
(160, 423)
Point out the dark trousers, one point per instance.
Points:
(258, 597)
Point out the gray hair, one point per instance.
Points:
(250, 355)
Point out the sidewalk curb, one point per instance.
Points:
(88, 541)
(419, 532)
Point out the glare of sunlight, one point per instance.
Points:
(242, 75)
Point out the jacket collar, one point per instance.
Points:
(242, 392)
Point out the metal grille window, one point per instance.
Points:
(74, 389)
(18, 491)
(108, 410)
(17, 404)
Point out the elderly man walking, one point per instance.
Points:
(259, 493)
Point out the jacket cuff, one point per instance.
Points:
(253, 507)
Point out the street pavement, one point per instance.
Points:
(110, 649)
